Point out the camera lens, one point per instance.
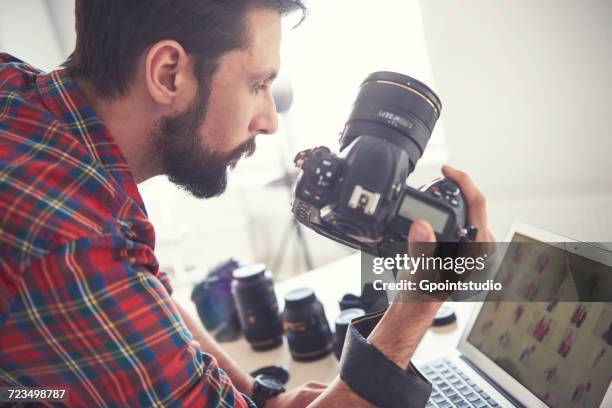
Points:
(396, 108)
(257, 307)
(306, 327)
(342, 322)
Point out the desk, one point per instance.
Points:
(330, 283)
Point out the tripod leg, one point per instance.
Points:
(304, 245)
(284, 243)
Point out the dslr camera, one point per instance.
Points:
(359, 197)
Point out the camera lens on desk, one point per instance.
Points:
(306, 326)
(342, 322)
(257, 307)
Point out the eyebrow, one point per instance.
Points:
(268, 76)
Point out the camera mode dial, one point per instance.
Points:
(446, 189)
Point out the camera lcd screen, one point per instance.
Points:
(413, 209)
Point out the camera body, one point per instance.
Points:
(359, 197)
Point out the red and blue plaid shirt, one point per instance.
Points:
(83, 304)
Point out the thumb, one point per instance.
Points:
(421, 231)
(421, 238)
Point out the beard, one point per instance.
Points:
(183, 157)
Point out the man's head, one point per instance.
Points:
(204, 67)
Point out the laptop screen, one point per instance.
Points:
(560, 351)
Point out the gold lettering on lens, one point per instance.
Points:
(406, 87)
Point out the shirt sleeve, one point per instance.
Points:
(88, 318)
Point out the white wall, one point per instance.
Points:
(337, 47)
(28, 32)
(526, 88)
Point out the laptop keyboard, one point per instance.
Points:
(451, 387)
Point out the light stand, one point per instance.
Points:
(283, 98)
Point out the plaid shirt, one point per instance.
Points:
(83, 304)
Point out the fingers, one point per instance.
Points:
(298, 397)
(315, 385)
(421, 231)
(420, 237)
(475, 200)
(307, 393)
(490, 237)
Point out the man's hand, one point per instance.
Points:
(422, 242)
(298, 397)
(393, 328)
(475, 201)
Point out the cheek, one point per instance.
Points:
(225, 130)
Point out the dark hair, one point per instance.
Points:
(112, 34)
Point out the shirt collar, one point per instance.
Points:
(65, 100)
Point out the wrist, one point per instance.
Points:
(400, 330)
(243, 382)
(396, 383)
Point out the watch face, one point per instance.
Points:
(270, 383)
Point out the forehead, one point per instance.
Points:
(262, 54)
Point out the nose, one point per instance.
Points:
(266, 120)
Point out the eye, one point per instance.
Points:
(260, 87)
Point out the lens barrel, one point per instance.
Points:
(257, 307)
(342, 323)
(394, 107)
(306, 326)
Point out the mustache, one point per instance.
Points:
(246, 149)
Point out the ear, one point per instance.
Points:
(169, 74)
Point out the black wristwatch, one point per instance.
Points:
(265, 387)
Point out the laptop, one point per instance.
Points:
(527, 353)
